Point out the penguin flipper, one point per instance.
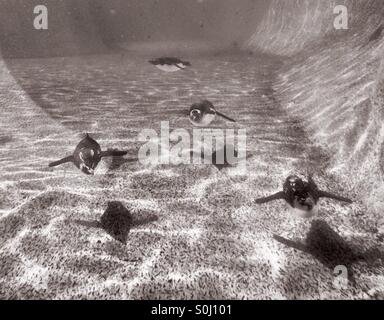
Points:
(225, 117)
(59, 162)
(113, 153)
(276, 196)
(310, 179)
(312, 185)
(325, 194)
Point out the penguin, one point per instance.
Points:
(203, 113)
(302, 195)
(170, 64)
(377, 34)
(87, 155)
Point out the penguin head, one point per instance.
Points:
(88, 161)
(293, 185)
(195, 114)
(202, 114)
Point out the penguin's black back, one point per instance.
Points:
(205, 106)
(87, 143)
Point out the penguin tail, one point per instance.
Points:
(59, 162)
(85, 135)
(225, 117)
(325, 194)
(276, 196)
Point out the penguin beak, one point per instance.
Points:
(87, 170)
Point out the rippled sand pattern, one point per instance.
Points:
(201, 235)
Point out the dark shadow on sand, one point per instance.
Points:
(225, 157)
(4, 139)
(328, 247)
(117, 221)
(117, 161)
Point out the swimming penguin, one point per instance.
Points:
(170, 64)
(302, 195)
(203, 113)
(87, 155)
(377, 34)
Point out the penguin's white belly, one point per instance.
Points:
(303, 212)
(168, 68)
(205, 120)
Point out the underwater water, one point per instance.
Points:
(195, 231)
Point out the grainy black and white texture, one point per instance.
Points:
(310, 97)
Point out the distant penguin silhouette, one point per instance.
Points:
(224, 157)
(87, 155)
(377, 34)
(302, 195)
(203, 113)
(170, 64)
